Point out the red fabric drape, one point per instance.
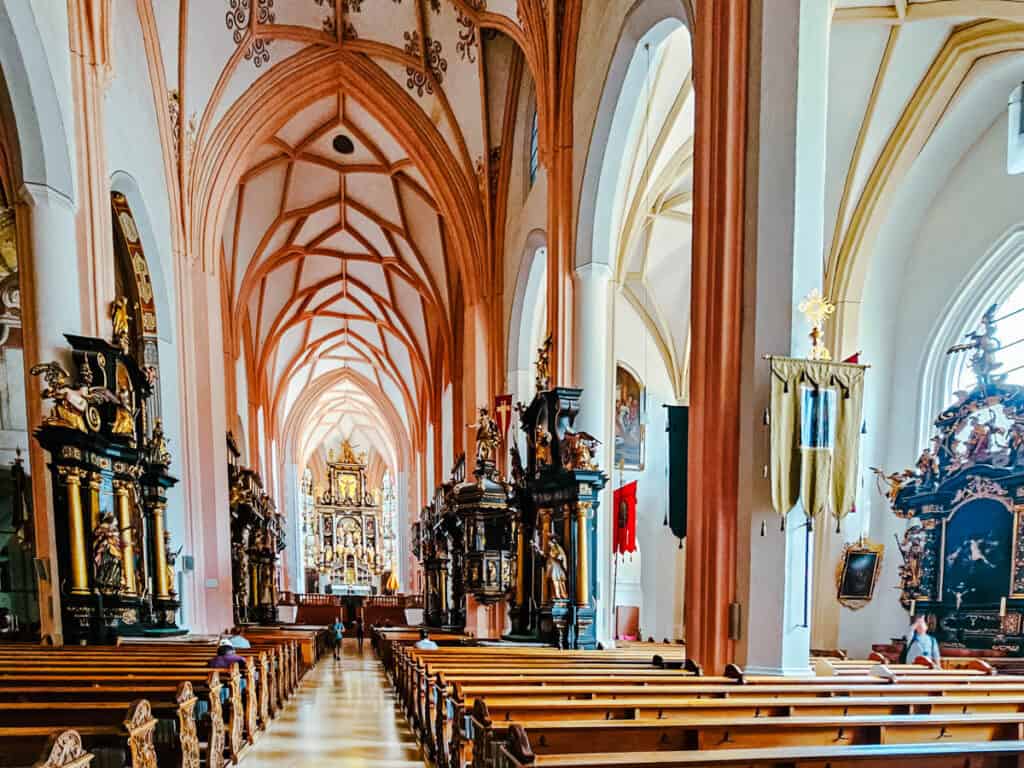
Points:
(624, 504)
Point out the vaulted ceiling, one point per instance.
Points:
(337, 255)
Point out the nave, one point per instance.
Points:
(344, 714)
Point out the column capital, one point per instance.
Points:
(34, 195)
(595, 269)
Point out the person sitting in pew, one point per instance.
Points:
(920, 643)
(425, 643)
(226, 656)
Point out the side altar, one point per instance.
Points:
(963, 548)
(530, 540)
(109, 470)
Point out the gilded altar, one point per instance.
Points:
(348, 540)
(109, 462)
(257, 542)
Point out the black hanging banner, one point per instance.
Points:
(678, 442)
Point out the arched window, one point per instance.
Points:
(1015, 132)
(1010, 332)
(533, 147)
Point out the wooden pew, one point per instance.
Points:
(574, 736)
(944, 755)
(129, 731)
(55, 749)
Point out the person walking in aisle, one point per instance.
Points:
(358, 627)
(337, 635)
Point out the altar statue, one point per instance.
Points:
(107, 556)
(119, 318)
(488, 438)
(69, 404)
(556, 570)
(124, 414)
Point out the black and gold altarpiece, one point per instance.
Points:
(531, 540)
(348, 539)
(257, 541)
(109, 470)
(963, 549)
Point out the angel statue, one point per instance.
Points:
(488, 438)
(107, 556)
(119, 319)
(70, 405)
(894, 482)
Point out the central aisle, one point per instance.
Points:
(343, 714)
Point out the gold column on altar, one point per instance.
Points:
(72, 479)
(95, 481)
(545, 536)
(122, 504)
(582, 555)
(160, 553)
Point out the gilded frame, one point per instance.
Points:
(851, 600)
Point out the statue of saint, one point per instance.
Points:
(156, 448)
(488, 438)
(556, 570)
(544, 365)
(124, 415)
(119, 319)
(172, 558)
(107, 556)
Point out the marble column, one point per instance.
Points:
(594, 367)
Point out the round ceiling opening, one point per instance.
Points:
(343, 144)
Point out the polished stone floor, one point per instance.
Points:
(344, 714)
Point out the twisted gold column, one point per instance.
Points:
(122, 504)
(72, 480)
(582, 555)
(160, 553)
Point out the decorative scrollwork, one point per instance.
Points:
(65, 751)
(466, 47)
(237, 21)
(140, 725)
(187, 735)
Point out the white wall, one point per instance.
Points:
(661, 561)
(918, 268)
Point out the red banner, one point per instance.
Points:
(624, 504)
(503, 413)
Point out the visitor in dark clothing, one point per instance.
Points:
(358, 626)
(226, 656)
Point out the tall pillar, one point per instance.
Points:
(594, 368)
(781, 263)
(52, 307)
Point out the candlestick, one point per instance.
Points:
(1002, 607)
(913, 608)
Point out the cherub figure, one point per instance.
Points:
(69, 404)
(894, 482)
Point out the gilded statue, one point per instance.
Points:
(912, 548)
(579, 450)
(542, 443)
(544, 365)
(156, 447)
(124, 414)
(556, 569)
(107, 556)
(70, 406)
(171, 558)
(894, 482)
(119, 319)
(488, 438)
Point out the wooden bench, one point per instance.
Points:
(945, 755)
(54, 749)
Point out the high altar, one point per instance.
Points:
(109, 465)
(348, 540)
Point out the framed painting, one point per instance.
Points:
(857, 574)
(630, 412)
